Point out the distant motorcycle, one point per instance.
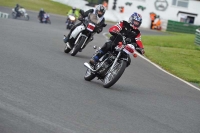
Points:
(71, 19)
(23, 14)
(46, 19)
(112, 65)
(82, 34)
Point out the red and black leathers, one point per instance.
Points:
(125, 28)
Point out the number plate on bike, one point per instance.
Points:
(90, 27)
(129, 49)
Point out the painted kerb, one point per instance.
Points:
(4, 15)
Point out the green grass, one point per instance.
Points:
(47, 5)
(176, 53)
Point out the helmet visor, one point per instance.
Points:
(100, 13)
(133, 22)
(136, 23)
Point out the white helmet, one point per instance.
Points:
(100, 10)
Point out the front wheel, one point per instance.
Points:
(67, 49)
(14, 15)
(27, 17)
(77, 46)
(89, 75)
(49, 21)
(113, 76)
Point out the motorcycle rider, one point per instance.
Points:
(129, 29)
(99, 10)
(41, 14)
(17, 10)
(73, 11)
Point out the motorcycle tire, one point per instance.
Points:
(49, 21)
(120, 71)
(77, 47)
(67, 50)
(14, 15)
(27, 17)
(89, 75)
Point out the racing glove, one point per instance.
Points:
(99, 30)
(140, 50)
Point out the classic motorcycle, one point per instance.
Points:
(23, 14)
(82, 34)
(71, 19)
(112, 65)
(46, 19)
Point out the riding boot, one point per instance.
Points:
(96, 57)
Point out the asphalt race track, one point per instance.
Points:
(42, 89)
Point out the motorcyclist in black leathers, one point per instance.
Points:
(41, 14)
(130, 30)
(17, 10)
(99, 10)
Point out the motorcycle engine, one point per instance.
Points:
(105, 67)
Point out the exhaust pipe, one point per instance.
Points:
(89, 67)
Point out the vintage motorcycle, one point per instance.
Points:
(71, 19)
(111, 66)
(82, 34)
(23, 13)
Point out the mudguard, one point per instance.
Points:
(77, 30)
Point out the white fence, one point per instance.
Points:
(4, 15)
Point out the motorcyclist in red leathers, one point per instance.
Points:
(129, 30)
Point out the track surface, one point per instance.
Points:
(42, 89)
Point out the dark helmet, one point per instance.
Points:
(17, 5)
(135, 20)
(100, 10)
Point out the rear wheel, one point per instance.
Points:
(77, 47)
(112, 77)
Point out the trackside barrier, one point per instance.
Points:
(182, 27)
(197, 39)
(4, 15)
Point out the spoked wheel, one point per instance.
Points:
(112, 77)
(77, 47)
(67, 49)
(89, 75)
(14, 15)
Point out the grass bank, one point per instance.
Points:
(47, 5)
(176, 53)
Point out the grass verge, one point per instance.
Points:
(176, 53)
(47, 5)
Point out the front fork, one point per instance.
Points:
(116, 59)
(87, 40)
